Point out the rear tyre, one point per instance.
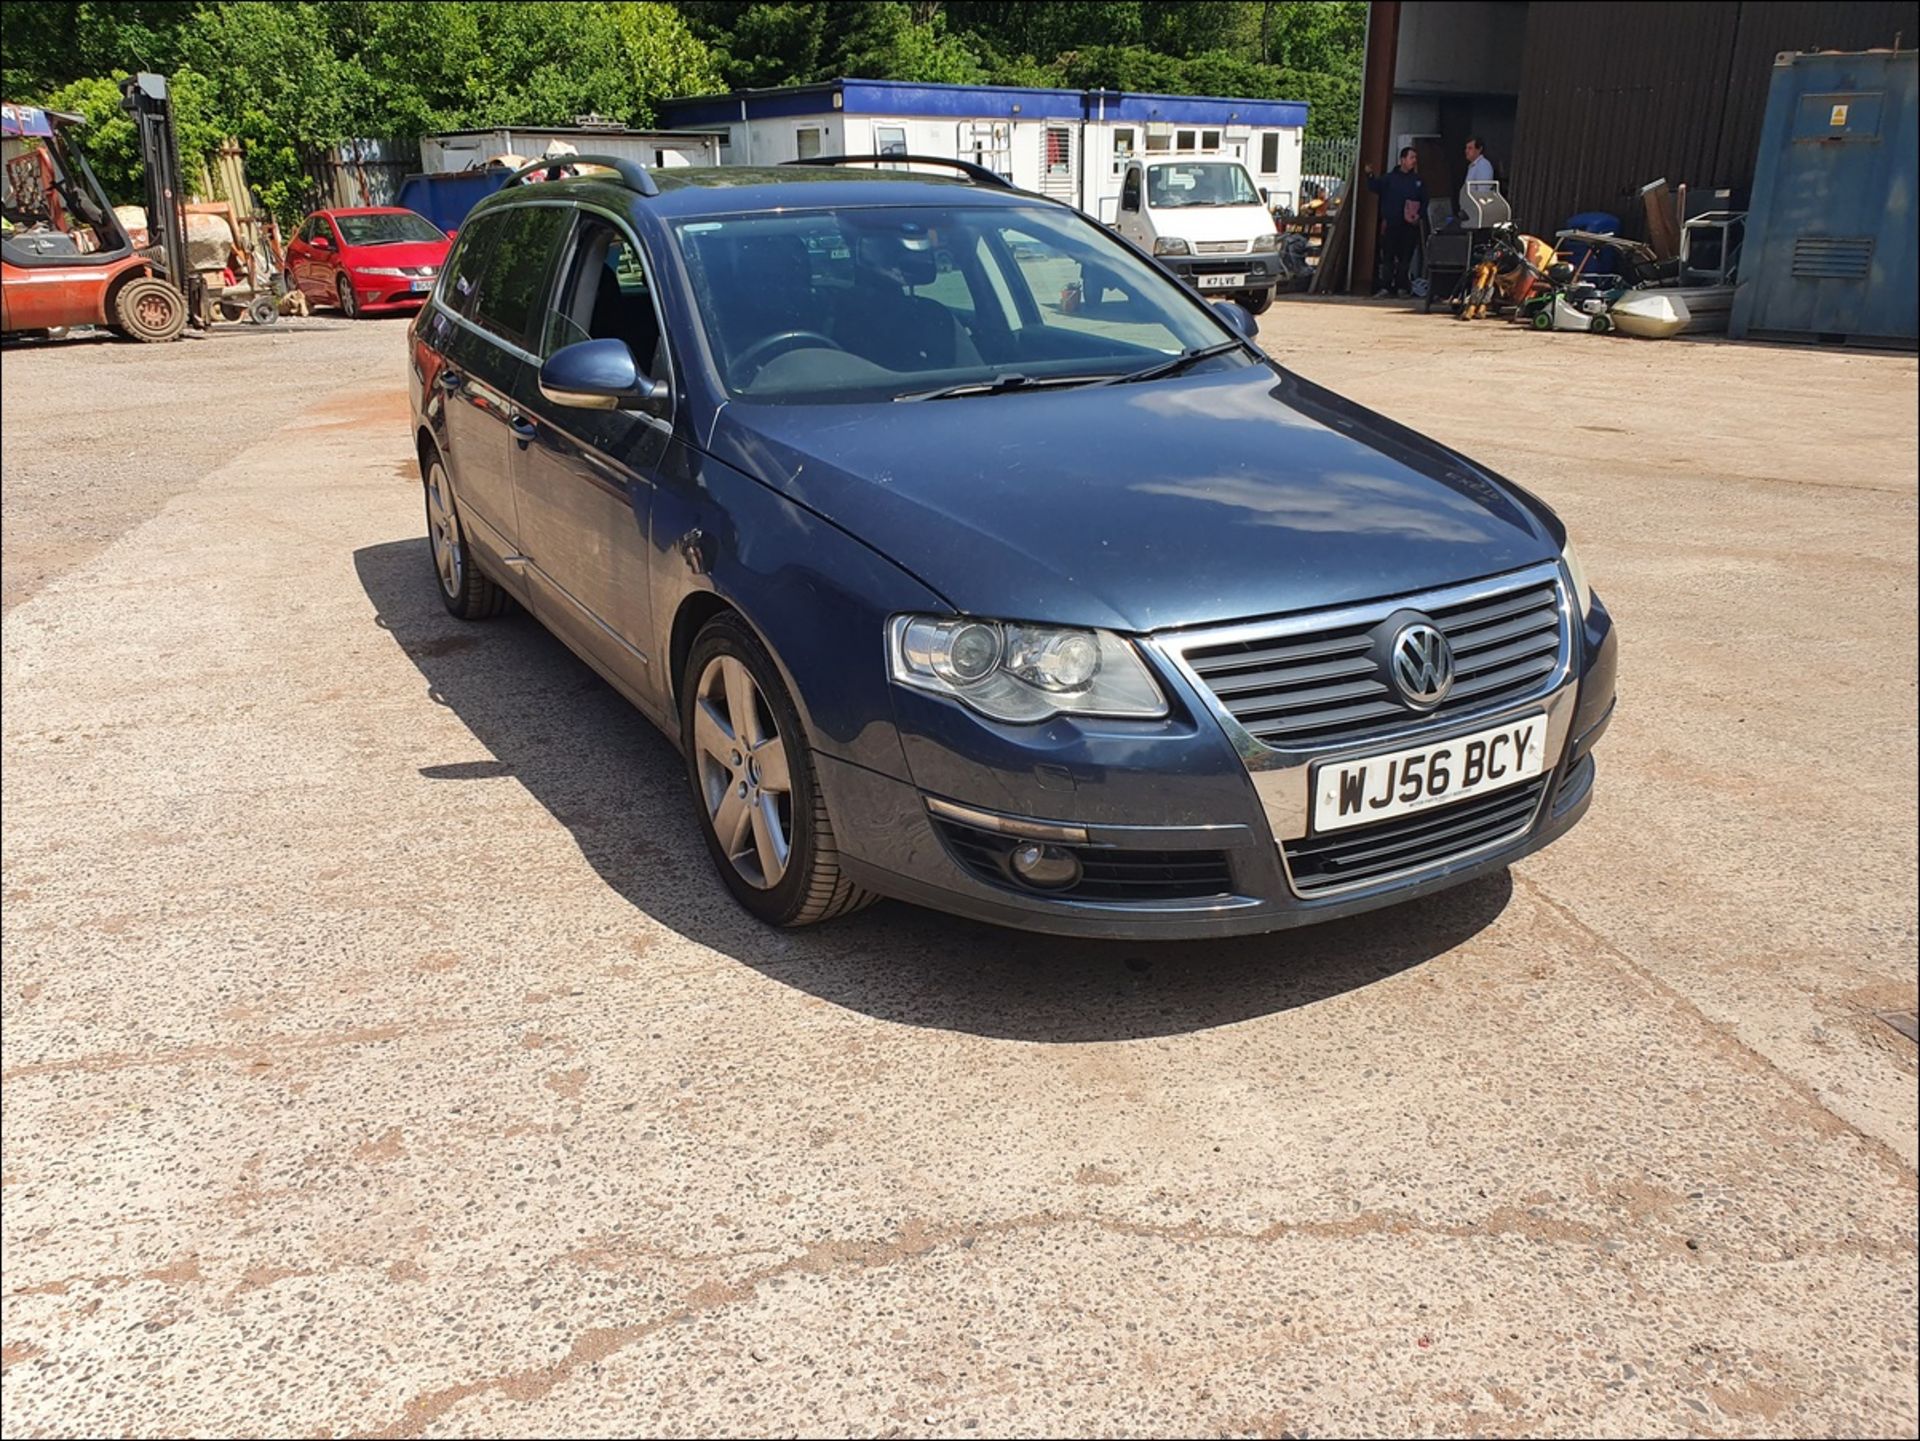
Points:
(349, 301)
(463, 589)
(149, 310)
(753, 780)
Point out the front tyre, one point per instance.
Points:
(1256, 302)
(149, 309)
(349, 301)
(751, 772)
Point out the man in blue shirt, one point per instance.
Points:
(1403, 198)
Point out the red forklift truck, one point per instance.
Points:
(65, 258)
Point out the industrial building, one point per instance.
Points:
(1070, 144)
(464, 149)
(1582, 105)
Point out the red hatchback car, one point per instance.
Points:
(368, 260)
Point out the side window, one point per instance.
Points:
(1270, 154)
(466, 264)
(514, 273)
(317, 229)
(890, 140)
(1130, 191)
(607, 295)
(806, 141)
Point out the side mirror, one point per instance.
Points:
(320, 242)
(452, 235)
(598, 375)
(1238, 318)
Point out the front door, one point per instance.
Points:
(584, 480)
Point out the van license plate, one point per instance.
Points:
(1398, 783)
(1222, 282)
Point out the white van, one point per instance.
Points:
(1206, 221)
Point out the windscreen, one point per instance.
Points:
(387, 229)
(880, 303)
(1199, 182)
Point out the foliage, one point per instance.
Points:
(108, 139)
(294, 75)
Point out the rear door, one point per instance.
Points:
(584, 481)
(497, 289)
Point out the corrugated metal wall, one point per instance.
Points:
(1613, 96)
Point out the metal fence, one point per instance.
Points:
(359, 172)
(1332, 155)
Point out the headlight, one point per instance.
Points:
(1015, 672)
(1265, 244)
(1171, 245)
(382, 270)
(1570, 558)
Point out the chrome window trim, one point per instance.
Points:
(1282, 775)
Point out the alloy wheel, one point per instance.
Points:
(443, 532)
(349, 302)
(742, 763)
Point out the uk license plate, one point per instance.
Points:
(1222, 282)
(1399, 783)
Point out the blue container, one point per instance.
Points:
(1604, 261)
(1831, 250)
(445, 198)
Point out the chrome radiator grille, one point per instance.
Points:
(1316, 682)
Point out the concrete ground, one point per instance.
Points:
(381, 1056)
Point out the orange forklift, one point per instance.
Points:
(65, 258)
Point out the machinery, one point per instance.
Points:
(65, 257)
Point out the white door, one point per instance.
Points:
(1056, 162)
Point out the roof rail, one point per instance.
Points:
(978, 174)
(632, 173)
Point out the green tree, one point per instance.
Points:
(108, 139)
(888, 42)
(45, 44)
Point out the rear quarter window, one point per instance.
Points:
(465, 264)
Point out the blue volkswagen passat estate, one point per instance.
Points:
(971, 559)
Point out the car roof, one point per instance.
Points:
(691, 191)
(368, 210)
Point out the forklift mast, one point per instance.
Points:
(145, 98)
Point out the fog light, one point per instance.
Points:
(1048, 868)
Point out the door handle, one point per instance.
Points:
(451, 379)
(523, 429)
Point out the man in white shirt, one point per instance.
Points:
(1478, 168)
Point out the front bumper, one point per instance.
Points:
(1181, 797)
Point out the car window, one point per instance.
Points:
(513, 276)
(1130, 191)
(317, 229)
(402, 229)
(878, 302)
(607, 295)
(464, 267)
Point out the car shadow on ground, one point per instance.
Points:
(619, 787)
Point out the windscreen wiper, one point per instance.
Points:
(1177, 364)
(1000, 384)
